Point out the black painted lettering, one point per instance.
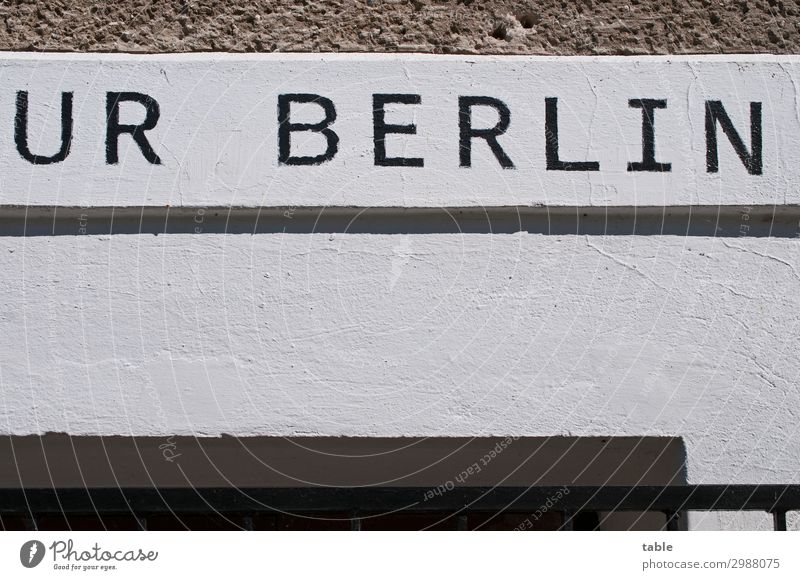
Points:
(286, 128)
(467, 133)
(752, 160)
(114, 129)
(381, 129)
(648, 162)
(21, 130)
(551, 142)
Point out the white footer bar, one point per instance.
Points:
(401, 555)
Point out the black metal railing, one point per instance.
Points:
(245, 503)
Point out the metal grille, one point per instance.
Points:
(240, 507)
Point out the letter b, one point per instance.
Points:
(286, 128)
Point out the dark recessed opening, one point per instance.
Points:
(528, 19)
(329, 483)
(500, 32)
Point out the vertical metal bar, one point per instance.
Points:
(355, 522)
(673, 519)
(779, 520)
(461, 523)
(567, 526)
(247, 522)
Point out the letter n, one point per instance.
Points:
(752, 160)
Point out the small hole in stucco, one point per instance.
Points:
(500, 32)
(528, 19)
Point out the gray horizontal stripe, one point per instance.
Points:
(705, 221)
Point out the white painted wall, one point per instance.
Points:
(381, 335)
(217, 135)
(406, 335)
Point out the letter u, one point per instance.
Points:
(21, 130)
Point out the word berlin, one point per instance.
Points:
(469, 135)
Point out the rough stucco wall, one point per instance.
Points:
(218, 135)
(426, 335)
(750, 441)
(448, 26)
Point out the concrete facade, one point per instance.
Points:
(569, 131)
(402, 334)
(444, 26)
(424, 335)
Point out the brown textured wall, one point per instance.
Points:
(441, 26)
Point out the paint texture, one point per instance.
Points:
(452, 26)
